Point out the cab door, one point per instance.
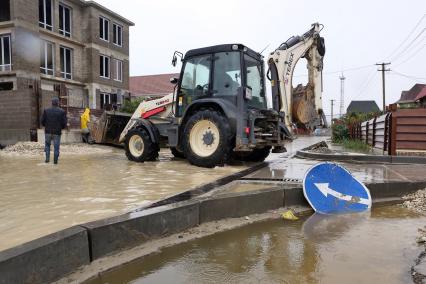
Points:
(195, 82)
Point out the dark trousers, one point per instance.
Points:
(56, 143)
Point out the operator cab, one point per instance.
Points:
(230, 72)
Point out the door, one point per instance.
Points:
(195, 82)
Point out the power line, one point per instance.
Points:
(407, 76)
(411, 32)
(409, 45)
(411, 56)
(366, 84)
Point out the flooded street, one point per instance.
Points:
(38, 199)
(379, 247)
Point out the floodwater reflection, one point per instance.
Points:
(368, 248)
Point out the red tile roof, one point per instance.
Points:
(152, 85)
(417, 92)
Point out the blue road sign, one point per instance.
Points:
(331, 189)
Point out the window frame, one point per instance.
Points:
(118, 63)
(5, 67)
(104, 20)
(114, 27)
(62, 52)
(103, 58)
(45, 67)
(44, 24)
(103, 101)
(63, 31)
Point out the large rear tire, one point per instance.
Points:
(207, 139)
(139, 146)
(257, 155)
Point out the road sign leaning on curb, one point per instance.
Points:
(331, 189)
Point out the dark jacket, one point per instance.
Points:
(54, 119)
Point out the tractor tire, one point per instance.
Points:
(257, 155)
(176, 153)
(207, 139)
(139, 146)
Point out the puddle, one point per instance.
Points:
(378, 247)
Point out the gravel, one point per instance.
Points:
(416, 201)
(37, 149)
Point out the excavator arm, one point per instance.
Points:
(302, 106)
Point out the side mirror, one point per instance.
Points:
(175, 57)
(174, 81)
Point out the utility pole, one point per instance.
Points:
(342, 95)
(383, 70)
(332, 104)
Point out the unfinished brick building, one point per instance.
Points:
(74, 49)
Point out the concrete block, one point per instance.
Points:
(240, 204)
(408, 159)
(46, 259)
(117, 233)
(394, 189)
(294, 197)
(67, 137)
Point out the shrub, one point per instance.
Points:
(131, 106)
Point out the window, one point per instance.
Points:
(227, 74)
(117, 37)
(45, 14)
(47, 61)
(104, 66)
(118, 70)
(255, 81)
(4, 10)
(108, 101)
(196, 76)
(6, 86)
(66, 62)
(105, 100)
(5, 56)
(104, 29)
(65, 20)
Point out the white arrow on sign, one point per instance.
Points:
(326, 190)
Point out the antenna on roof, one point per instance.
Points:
(265, 48)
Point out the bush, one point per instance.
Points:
(340, 132)
(131, 106)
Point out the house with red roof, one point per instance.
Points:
(151, 86)
(413, 98)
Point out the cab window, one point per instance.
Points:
(255, 81)
(196, 77)
(227, 74)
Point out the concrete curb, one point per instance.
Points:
(49, 258)
(117, 233)
(46, 259)
(361, 158)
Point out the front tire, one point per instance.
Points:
(207, 139)
(139, 146)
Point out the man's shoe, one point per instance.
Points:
(55, 162)
(46, 161)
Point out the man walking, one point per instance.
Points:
(54, 119)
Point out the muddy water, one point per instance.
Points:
(378, 247)
(37, 199)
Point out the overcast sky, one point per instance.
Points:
(357, 33)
